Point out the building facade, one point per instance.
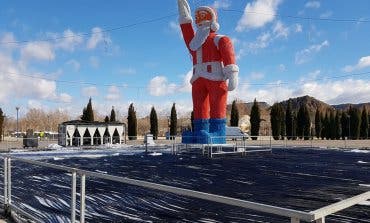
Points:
(84, 133)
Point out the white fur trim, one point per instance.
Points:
(208, 9)
(217, 39)
(231, 70)
(215, 26)
(185, 20)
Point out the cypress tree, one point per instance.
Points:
(173, 126)
(112, 116)
(255, 120)
(355, 122)
(327, 125)
(332, 125)
(106, 119)
(364, 124)
(294, 126)
(88, 113)
(306, 123)
(289, 120)
(1, 124)
(338, 126)
(153, 123)
(277, 118)
(132, 123)
(234, 116)
(318, 123)
(344, 125)
(301, 122)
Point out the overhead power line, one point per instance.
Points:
(92, 33)
(73, 82)
(175, 14)
(301, 17)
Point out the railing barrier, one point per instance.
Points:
(295, 216)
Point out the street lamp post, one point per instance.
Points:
(16, 134)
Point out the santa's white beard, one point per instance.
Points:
(200, 37)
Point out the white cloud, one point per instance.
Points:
(38, 51)
(159, 86)
(256, 76)
(298, 28)
(363, 62)
(128, 70)
(8, 41)
(96, 38)
(114, 94)
(221, 4)
(332, 92)
(313, 4)
(186, 86)
(89, 91)
(65, 98)
(282, 67)
(257, 14)
(94, 62)
(280, 30)
(175, 28)
(68, 40)
(326, 14)
(74, 64)
(306, 55)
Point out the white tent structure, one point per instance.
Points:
(84, 133)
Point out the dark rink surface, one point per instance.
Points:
(301, 179)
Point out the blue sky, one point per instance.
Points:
(142, 58)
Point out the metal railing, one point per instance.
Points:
(295, 216)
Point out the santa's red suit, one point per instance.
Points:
(213, 64)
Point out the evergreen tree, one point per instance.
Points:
(255, 120)
(277, 118)
(289, 120)
(112, 115)
(332, 125)
(1, 124)
(306, 123)
(318, 123)
(364, 124)
(355, 122)
(344, 125)
(173, 126)
(301, 121)
(153, 123)
(327, 126)
(106, 119)
(294, 126)
(132, 123)
(234, 116)
(324, 125)
(338, 127)
(88, 113)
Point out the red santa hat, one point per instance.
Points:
(208, 14)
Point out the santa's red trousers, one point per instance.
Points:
(209, 99)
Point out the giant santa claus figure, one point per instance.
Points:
(214, 73)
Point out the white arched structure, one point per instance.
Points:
(74, 133)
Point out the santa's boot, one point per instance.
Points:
(201, 131)
(217, 129)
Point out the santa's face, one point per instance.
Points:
(202, 16)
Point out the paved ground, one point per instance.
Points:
(12, 143)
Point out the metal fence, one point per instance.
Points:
(295, 216)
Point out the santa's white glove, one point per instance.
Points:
(231, 73)
(184, 12)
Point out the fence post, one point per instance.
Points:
(270, 142)
(73, 198)
(82, 198)
(9, 181)
(5, 184)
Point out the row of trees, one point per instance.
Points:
(286, 122)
